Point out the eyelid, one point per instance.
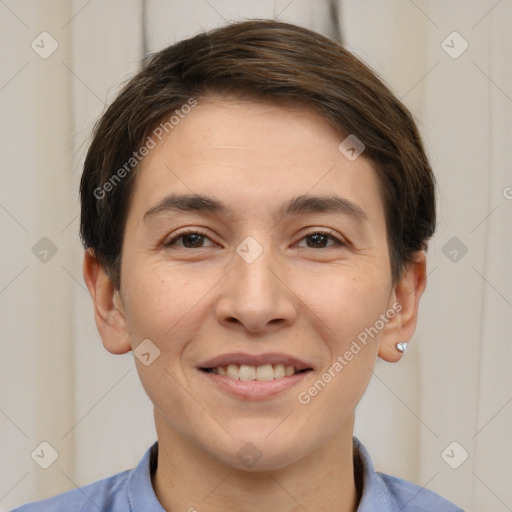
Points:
(340, 240)
(186, 231)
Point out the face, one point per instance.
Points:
(256, 273)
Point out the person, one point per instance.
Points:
(256, 207)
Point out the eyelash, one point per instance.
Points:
(327, 233)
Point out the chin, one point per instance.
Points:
(257, 450)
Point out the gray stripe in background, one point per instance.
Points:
(334, 16)
(146, 57)
(334, 12)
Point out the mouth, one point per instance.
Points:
(266, 372)
(254, 376)
(268, 375)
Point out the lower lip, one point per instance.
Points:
(255, 389)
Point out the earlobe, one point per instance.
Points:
(109, 311)
(407, 294)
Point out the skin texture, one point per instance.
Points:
(198, 299)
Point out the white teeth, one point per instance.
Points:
(264, 372)
(289, 370)
(279, 371)
(247, 372)
(232, 371)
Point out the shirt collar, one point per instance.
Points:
(141, 495)
(374, 493)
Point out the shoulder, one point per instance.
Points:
(412, 498)
(387, 493)
(107, 495)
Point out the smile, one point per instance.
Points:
(254, 382)
(247, 372)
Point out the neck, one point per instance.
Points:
(188, 478)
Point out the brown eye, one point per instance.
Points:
(190, 240)
(319, 240)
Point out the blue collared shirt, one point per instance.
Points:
(131, 491)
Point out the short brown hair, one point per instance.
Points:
(275, 62)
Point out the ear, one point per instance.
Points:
(108, 308)
(406, 298)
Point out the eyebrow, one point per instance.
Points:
(297, 205)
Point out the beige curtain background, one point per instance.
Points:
(441, 418)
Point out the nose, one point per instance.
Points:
(256, 296)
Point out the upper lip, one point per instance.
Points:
(256, 360)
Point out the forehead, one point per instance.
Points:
(253, 156)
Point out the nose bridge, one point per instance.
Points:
(255, 264)
(255, 294)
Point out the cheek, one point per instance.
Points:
(158, 299)
(168, 303)
(344, 307)
(345, 302)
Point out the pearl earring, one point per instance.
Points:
(402, 346)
